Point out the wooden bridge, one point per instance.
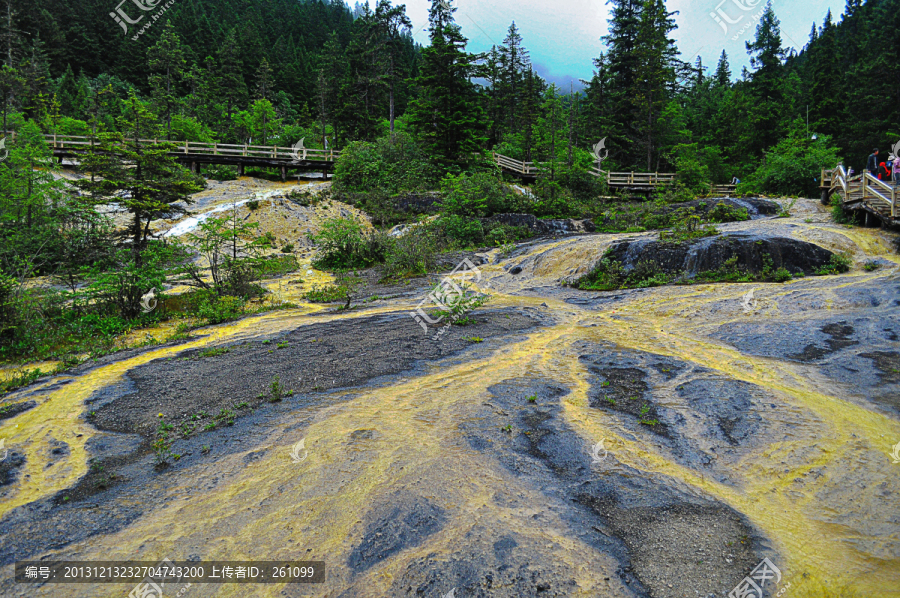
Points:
(194, 154)
(865, 192)
(632, 181)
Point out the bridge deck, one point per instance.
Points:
(863, 192)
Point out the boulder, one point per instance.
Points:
(711, 253)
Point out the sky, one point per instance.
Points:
(563, 36)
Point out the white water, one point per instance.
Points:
(190, 224)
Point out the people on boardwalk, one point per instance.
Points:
(896, 171)
(735, 181)
(872, 162)
(883, 172)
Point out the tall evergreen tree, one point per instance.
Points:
(446, 113)
(167, 63)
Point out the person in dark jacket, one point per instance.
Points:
(872, 163)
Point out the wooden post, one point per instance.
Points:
(865, 182)
(894, 200)
(185, 146)
(283, 174)
(241, 169)
(194, 167)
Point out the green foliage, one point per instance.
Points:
(793, 167)
(327, 294)
(837, 264)
(342, 245)
(118, 289)
(415, 253)
(687, 226)
(479, 195)
(723, 212)
(216, 309)
(692, 173)
(782, 275)
(221, 173)
(389, 165)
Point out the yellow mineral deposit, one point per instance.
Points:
(834, 528)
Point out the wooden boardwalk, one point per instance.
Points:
(632, 181)
(194, 154)
(863, 192)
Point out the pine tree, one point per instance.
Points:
(166, 61)
(230, 80)
(143, 179)
(446, 113)
(392, 22)
(657, 55)
(766, 55)
(514, 61)
(723, 71)
(624, 71)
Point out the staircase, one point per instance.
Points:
(865, 192)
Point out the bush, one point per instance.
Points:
(460, 231)
(793, 167)
(343, 246)
(837, 264)
(415, 253)
(782, 275)
(215, 309)
(479, 195)
(726, 213)
(690, 170)
(391, 165)
(552, 200)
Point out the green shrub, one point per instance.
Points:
(793, 167)
(690, 170)
(782, 275)
(342, 245)
(608, 275)
(415, 253)
(461, 231)
(479, 195)
(723, 212)
(327, 294)
(215, 309)
(837, 264)
(220, 172)
(552, 200)
(391, 164)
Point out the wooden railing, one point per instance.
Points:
(525, 168)
(81, 142)
(626, 179)
(865, 188)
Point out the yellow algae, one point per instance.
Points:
(326, 498)
(800, 482)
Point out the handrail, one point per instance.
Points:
(185, 147)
